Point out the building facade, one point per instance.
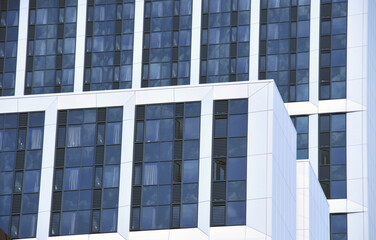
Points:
(99, 135)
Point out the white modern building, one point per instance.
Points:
(170, 119)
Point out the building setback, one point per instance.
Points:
(174, 119)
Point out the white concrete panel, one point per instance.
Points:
(257, 217)
(337, 205)
(124, 214)
(34, 104)
(254, 41)
(204, 215)
(112, 98)
(355, 191)
(72, 237)
(259, 100)
(355, 223)
(253, 234)
(187, 234)
(137, 44)
(313, 142)
(301, 108)
(227, 91)
(71, 101)
(354, 63)
(355, 90)
(226, 233)
(8, 105)
(156, 96)
(355, 29)
(182, 94)
(314, 52)
(147, 235)
(80, 46)
(354, 123)
(355, 156)
(109, 236)
(196, 42)
(257, 127)
(21, 47)
(257, 177)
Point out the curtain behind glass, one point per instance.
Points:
(151, 174)
(74, 136)
(35, 140)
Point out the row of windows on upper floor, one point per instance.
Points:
(284, 46)
(165, 167)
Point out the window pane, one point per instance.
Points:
(236, 213)
(189, 215)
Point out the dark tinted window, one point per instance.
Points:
(165, 169)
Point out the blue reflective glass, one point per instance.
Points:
(163, 218)
(86, 178)
(167, 129)
(236, 190)
(30, 203)
(5, 205)
(237, 125)
(338, 122)
(338, 189)
(236, 213)
(85, 200)
(164, 195)
(73, 157)
(237, 147)
(190, 171)
(28, 226)
(189, 215)
(110, 198)
(151, 152)
(236, 168)
(31, 181)
(109, 220)
(338, 223)
(192, 128)
(68, 223)
(152, 131)
(111, 176)
(70, 200)
(150, 195)
(165, 172)
(190, 192)
(148, 218)
(191, 149)
(83, 222)
(71, 177)
(7, 161)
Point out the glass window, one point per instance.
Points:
(19, 190)
(229, 163)
(90, 173)
(164, 166)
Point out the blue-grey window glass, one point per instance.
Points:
(167, 43)
(333, 45)
(51, 46)
(229, 162)
(284, 47)
(225, 33)
(165, 169)
(21, 144)
(332, 155)
(9, 15)
(109, 45)
(301, 124)
(87, 171)
(338, 226)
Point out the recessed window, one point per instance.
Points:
(51, 47)
(167, 43)
(166, 164)
(284, 47)
(87, 171)
(332, 155)
(9, 16)
(338, 226)
(225, 33)
(109, 45)
(301, 124)
(229, 163)
(21, 144)
(333, 44)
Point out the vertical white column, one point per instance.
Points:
(196, 42)
(80, 46)
(313, 140)
(254, 41)
(138, 43)
(46, 180)
(125, 187)
(205, 163)
(314, 53)
(21, 47)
